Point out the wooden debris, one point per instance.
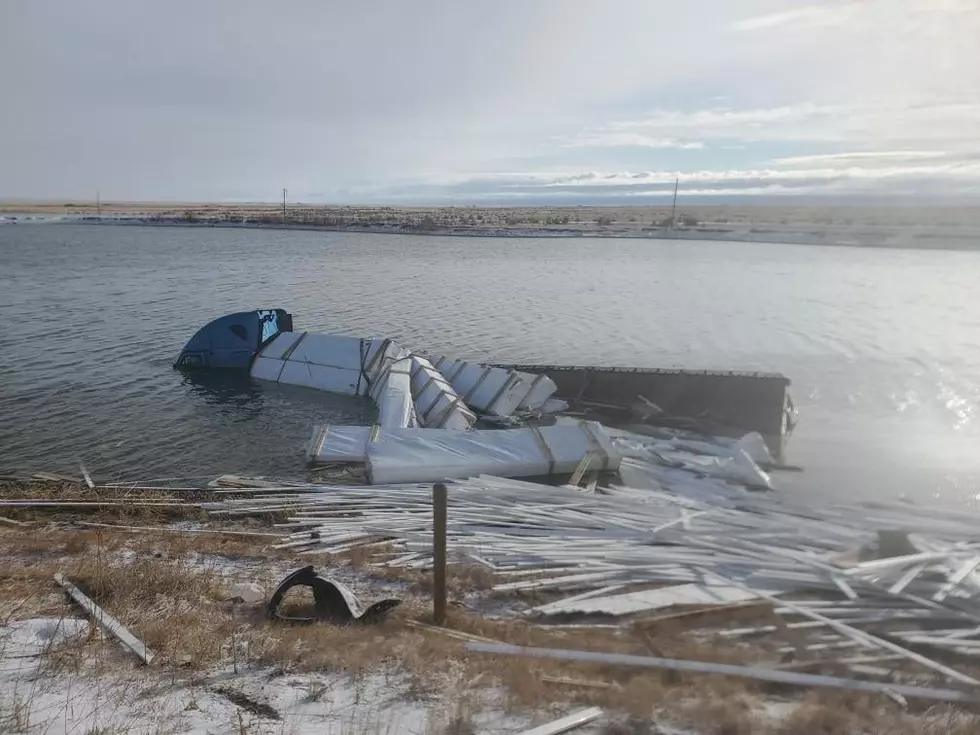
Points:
(565, 724)
(866, 639)
(708, 614)
(106, 621)
(751, 672)
(87, 476)
(164, 529)
(89, 504)
(55, 477)
(583, 683)
(449, 632)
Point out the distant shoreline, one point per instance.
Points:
(930, 241)
(790, 226)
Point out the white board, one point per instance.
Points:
(332, 350)
(280, 344)
(266, 368)
(321, 377)
(645, 600)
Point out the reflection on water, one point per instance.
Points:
(224, 388)
(882, 345)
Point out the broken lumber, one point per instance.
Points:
(576, 719)
(749, 672)
(106, 621)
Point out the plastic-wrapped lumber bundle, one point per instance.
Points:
(392, 392)
(429, 455)
(323, 361)
(437, 405)
(540, 390)
(496, 391)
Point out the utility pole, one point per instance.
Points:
(284, 205)
(673, 209)
(98, 204)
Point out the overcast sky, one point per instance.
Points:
(497, 101)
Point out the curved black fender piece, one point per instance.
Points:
(333, 601)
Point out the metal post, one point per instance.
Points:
(439, 500)
(673, 207)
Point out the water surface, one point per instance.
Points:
(883, 346)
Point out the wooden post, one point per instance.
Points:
(439, 500)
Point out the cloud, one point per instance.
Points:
(836, 178)
(409, 99)
(613, 139)
(953, 122)
(809, 16)
(863, 157)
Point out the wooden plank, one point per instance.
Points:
(449, 632)
(906, 579)
(860, 636)
(759, 673)
(164, 529)
(574, 720)
(707, 612)
(962, 573)
(582, 683)
(106, 621)
(87, 476)
(30, 503)
(55, 477)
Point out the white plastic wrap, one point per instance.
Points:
(266, 368)
(540, 390)
(437, 405)
(430, 455)
(322, 377)
(378, 355)
(322, 361)
(331, 350)
(488, 389)
(727, 462)
(280, 344)
(392, 392)
(755, 446)
(339, 445)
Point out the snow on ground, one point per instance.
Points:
(58, 677)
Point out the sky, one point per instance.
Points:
(490, 102)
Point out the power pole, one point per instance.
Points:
(673, 209)
(284, 205)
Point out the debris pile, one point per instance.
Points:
(844, 586)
